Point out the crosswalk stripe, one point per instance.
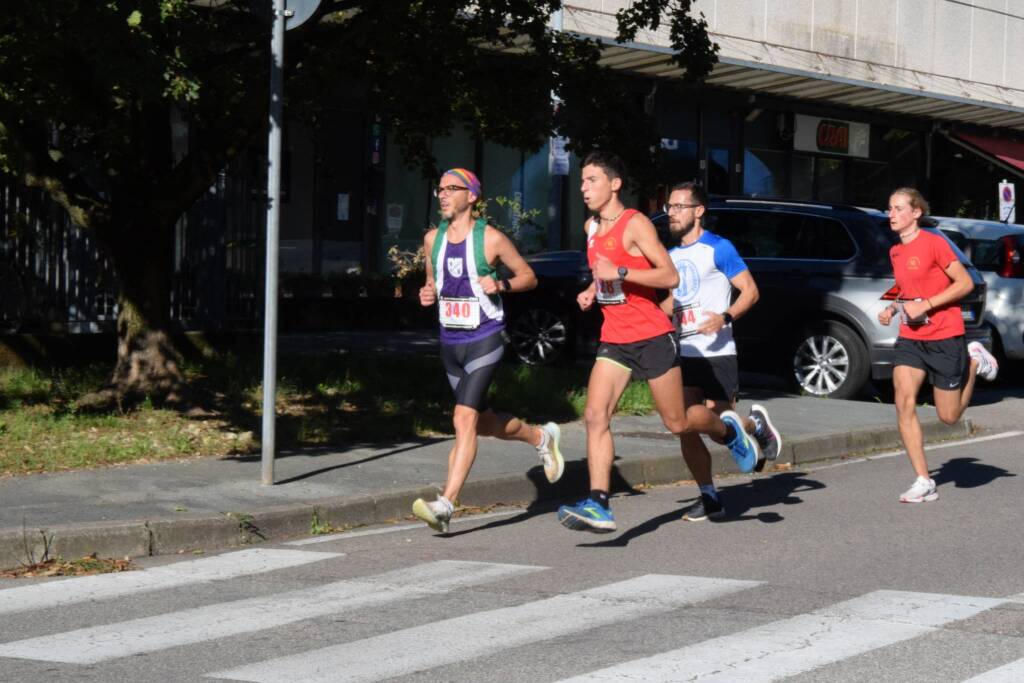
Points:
(100, 643)
(802, 643)
(409, 650)
(105, 586)
(1010, 673)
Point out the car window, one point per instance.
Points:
(987, 254)
(778, 234)
(958, 239)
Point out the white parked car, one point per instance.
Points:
(997, 250)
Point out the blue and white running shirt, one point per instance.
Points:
(705, 270)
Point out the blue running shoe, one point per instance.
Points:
(587, 515)
(744, 449)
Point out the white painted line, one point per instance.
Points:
(928, 447)
(344, 535)
(149, 634)
(805, 642)
(474, 635)
(59, 593)
(1010, 673)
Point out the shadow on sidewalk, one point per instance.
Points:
(738, 499)
(967, 473)
(256, 457)
(550, 497)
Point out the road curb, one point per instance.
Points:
(188, 533)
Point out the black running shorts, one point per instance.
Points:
(945, 360)
(646, 359)
(718, 377)
(470, 368)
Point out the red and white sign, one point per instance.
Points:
(1007, 202)
(832, 136)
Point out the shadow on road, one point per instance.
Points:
(967, 473)
(740, 499)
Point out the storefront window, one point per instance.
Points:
(765, 173)
(831, 179)
(801, 173)
(718, 170)
(871, 183)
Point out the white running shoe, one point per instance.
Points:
(437, 514)
(767, 436)
(549, 454)
(988, 366)
(923, 491)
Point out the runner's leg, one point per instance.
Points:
(608, 380)
(470, 374)
(950, 404)
(907, 383)
(695, 452)
(507, 427)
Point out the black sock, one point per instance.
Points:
(601, 497)
(730, 433)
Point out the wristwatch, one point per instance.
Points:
(623, 271)
(727, 317)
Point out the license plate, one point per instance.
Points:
(968, 315)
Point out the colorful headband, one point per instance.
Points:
(468, 177)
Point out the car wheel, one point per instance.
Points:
(539, 336)
(829, 359)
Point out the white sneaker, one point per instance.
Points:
(549, 454)
(437, 514)
(988, 366)
(923, 491)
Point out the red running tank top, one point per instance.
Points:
(630, 310)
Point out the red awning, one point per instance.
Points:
(1007, 151)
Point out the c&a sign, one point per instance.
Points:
(831, 136)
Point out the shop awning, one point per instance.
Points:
(1008, 152)
(759, 66)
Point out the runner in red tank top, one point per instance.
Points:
(629, 264)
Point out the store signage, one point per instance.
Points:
(831, 136)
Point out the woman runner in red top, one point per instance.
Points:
(637, 340)
(931, 282)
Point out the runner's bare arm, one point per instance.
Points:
(498, 247)
(428, 292)
(960, 286)
(744, 282)
(640, 236)
(667, 303)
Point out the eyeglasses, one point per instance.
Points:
(448, 189)
(677, 208)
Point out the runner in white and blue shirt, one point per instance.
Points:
(703, 312)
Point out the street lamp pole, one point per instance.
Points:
(273, 243)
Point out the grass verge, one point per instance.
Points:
(323, 400)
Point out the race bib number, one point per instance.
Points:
(459, 313)
(688, 318)
(610, 292)
(920, 320)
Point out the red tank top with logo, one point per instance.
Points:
(631, 312)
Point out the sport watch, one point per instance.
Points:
(623, 271)
(727, 317)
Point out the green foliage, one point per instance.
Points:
(521, 226)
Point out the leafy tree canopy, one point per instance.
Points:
(92, 92)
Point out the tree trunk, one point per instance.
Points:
(148, 364)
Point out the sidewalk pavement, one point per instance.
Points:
(197, 504)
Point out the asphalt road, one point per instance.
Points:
(815, 575)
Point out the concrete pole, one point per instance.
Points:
(273, 240)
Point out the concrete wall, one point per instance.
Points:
(978, 41)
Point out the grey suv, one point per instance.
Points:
(824, 274)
